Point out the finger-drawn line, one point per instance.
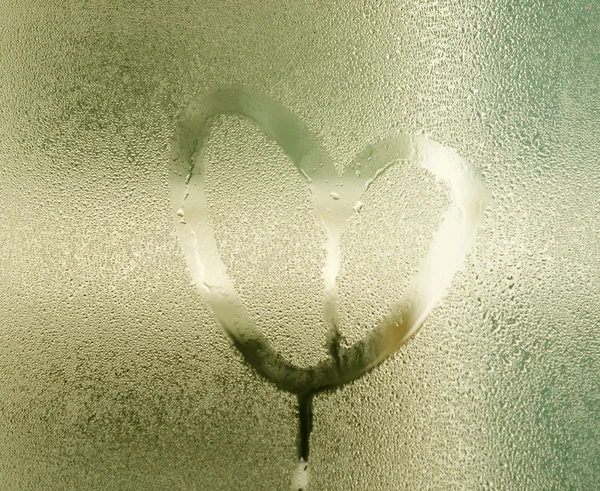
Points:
(446, 253)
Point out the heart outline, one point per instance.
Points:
(310, 159)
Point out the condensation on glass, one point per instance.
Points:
(115, 374)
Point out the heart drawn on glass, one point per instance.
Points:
(447, 250)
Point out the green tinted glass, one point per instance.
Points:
(240, 237)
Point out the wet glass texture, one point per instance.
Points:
(121, 368)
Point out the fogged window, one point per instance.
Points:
(262, 245)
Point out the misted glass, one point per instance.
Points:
(299, 245)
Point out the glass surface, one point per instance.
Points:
(116, 367)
